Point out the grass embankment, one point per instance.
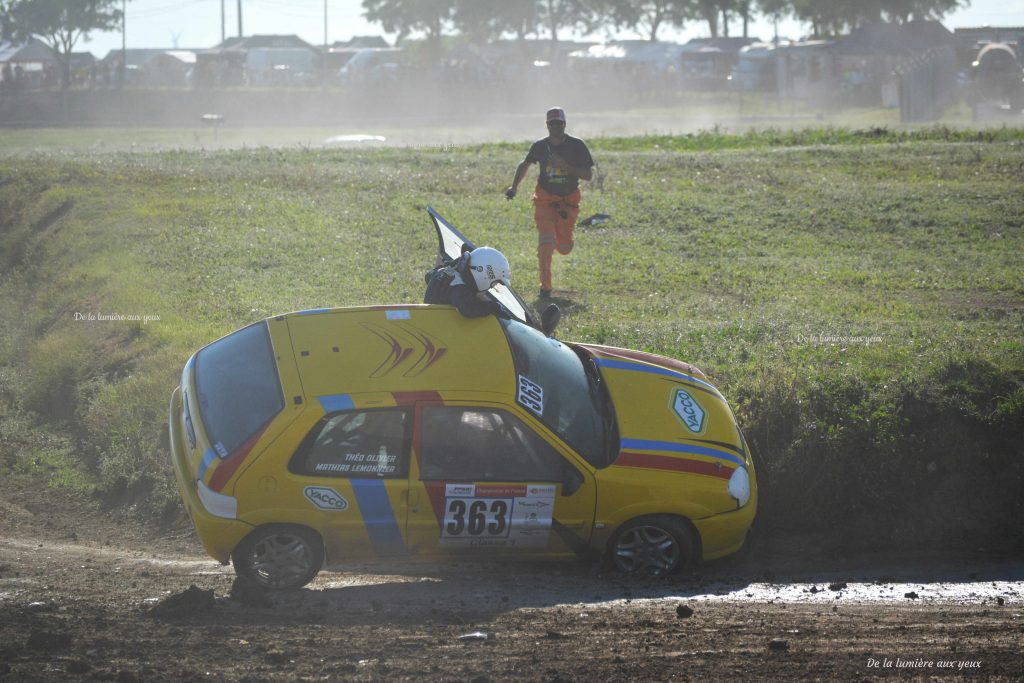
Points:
(858, 296)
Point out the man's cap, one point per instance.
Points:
(556, 114)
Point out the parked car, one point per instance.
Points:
(755, 69)
(409, 431)
(373, 66)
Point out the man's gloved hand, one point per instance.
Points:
(510, 193)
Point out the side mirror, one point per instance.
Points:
(572, 480)
(549, 319)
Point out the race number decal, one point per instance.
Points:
(483, 516)
(531, 395)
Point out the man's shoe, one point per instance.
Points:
(545, 293)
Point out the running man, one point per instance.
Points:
(564, 161)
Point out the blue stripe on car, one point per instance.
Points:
(378, 516)
(208, 457)
(336, 402)
(314, 311)
(672, 447)
(653, 369)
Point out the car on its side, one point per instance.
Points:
(409, 431)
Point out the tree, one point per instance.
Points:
(839, 16)
(58, 23)
(407, 16)
(745, 9)
(774, 10)
(906, 10)
(707, 10)
(646, 15)
(483, 20)
(836, 16)
(568, 14)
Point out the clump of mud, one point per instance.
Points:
(190, 602)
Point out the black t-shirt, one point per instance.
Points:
(553, 179)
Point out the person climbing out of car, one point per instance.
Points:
(463, 283)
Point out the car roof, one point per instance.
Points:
(399, 349)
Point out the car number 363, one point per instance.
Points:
(477, 517)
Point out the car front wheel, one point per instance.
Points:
(651, 546)
(279, 557)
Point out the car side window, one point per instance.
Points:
(484, 444)
(356, 444)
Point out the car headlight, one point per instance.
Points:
(739, 486)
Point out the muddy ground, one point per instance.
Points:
(89, 595)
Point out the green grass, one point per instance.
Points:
(831, 281)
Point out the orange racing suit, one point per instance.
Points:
(556, 221)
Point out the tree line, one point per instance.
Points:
(61, 23)
(483, 20)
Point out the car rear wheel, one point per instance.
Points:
(652, 546)
(279, 557)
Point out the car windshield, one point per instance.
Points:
(554, 384)
(237, 387)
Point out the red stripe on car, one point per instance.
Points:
(667, 462)
(229, 465)
(408, 398)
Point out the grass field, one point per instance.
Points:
(858, 295)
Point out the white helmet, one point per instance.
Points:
(489, 266)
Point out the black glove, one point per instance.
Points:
(510, 193)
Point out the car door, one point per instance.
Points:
(484, 481)
(352, 469)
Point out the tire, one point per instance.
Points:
(651, 546)
(279, 557)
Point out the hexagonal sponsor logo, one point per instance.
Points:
(326, 498)
(689, 411)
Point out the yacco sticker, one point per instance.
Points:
(689, 411)
(497, 516)
(326, 498)
(531, 395)
(397, 315)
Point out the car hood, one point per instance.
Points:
(667, 408)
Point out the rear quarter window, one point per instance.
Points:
(237, 386)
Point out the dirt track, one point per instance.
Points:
(83, 596)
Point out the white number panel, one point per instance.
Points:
(495, 515)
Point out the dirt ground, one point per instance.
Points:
(89, 595)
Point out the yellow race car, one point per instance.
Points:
(409, 431)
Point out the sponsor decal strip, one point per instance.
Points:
(668, 462)
(653, 369)
(672, 447)
(336, 402)
(314, 311)
(381, 525)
